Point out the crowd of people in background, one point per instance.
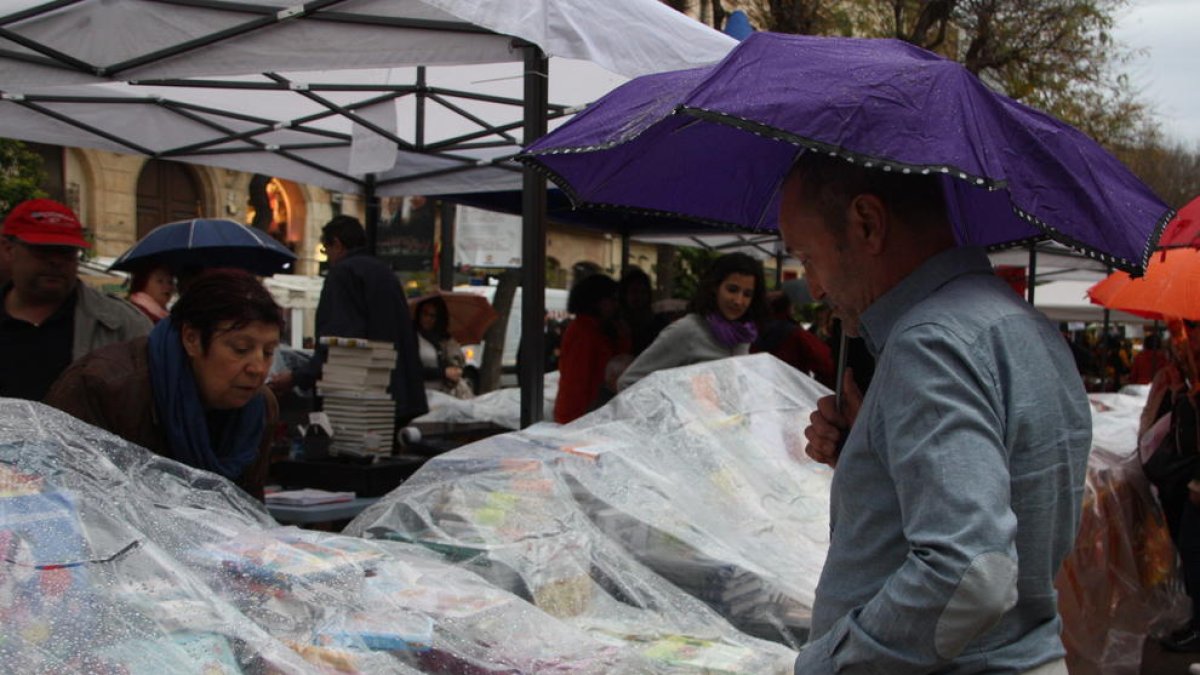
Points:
(1109, 361)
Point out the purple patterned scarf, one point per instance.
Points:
(731, 333)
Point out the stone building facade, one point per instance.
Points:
(120, 197)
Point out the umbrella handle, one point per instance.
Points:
(840, 373)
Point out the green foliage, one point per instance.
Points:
(1170, 169)
(1056, 55)
(21, 174)
(690, 263)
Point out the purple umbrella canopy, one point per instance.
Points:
(714, 144)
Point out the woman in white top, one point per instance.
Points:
(441, 356)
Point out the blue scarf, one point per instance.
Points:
(182, 414)
(731, 333)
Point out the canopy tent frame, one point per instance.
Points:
(54, 85)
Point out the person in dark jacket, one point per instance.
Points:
(362, 298)
(793, 344)
(193, 390)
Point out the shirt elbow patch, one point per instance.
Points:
(986, 591)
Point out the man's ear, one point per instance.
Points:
(867, 218)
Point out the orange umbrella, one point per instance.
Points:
(1170, 288)
(470, 315)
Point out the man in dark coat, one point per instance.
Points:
(362, 298)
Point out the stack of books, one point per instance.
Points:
(353, 385)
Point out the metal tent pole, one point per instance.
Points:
(1032, 280)
(371, 203)
(533, 243)
(446, 255)
(624, 252)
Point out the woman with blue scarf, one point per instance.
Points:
(193, 390)
(722, 322)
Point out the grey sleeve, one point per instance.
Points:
(669, 349)
(941, 437)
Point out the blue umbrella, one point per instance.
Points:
(206, 243)
(714, 144)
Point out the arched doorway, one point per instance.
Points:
(167, 191)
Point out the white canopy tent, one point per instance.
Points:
(1067, 300)
(379, 97)
(425, 97)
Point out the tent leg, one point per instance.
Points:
(1032, 280)
(446, 261)
(533, 245)
(371, 202)
(624, 252)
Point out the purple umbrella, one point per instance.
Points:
(714, 145)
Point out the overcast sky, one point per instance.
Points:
(1168, 74)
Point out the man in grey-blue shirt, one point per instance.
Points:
(959, 475)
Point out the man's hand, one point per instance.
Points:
(828, 426)
(453, 373)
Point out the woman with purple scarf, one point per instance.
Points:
(722, 321)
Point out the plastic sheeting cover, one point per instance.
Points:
(117, 560)
(1121, 582)
(688, 473)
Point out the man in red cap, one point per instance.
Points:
(48, 319)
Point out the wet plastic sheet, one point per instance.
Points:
(501, 407)
(116, 560)
(686, 474)
(1121, 581)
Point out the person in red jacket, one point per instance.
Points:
(1148, 361)
(591, 340)
(791, 343)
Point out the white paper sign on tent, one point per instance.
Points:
(371, 152)
(486, 238)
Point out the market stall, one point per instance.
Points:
(672, 531)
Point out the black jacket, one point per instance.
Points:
(362, 298)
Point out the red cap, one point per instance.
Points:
(44, 222)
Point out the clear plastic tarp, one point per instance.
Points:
(1121, 581)
(117, 560)
(688, 474)
(672, 531)
(501, 407)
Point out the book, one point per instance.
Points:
(373, 378)
(357, 343)
(307, 497)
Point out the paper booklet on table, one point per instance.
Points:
(307, 497)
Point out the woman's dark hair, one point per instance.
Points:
(630, 277)
(440, 324)
(705, 300)
(587, 293)
(220, 295)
